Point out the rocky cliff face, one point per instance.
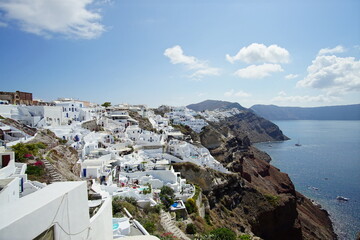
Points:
(63, 158)
(256, 198)
(249, 125)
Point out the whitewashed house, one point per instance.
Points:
(74, 111)
(58, 211)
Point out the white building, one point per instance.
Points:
(74, 111)
(143, 137)
(58, 211)
(197, 155)
(33, 116)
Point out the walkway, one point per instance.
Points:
(170, 226)
(55, 176)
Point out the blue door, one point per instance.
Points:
(84, 172)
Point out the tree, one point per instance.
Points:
(106, 104)
(167, 196)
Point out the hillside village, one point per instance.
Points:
(123, 153)
(72, 169)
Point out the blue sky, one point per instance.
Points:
(288, 53)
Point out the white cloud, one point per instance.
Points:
(241, 94)
(291, 76)
(333, 74)
(208, 71)
(201, 68)
(2, 24)
(337, 49)
(69, 18)
(284, 98)
(259, 53)
(282, 93)
(258, 71)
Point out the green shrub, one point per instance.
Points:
(165, 190)
(167, 196)
(35, 170)
(197, 192)
(273, 200)
(208, 219)
(190, 205)
(40, 145)
(118, 203)
(245, 237)
(130, 207)
(131, 200)
(106, 104)
(21, 149)
(149, 226)
(118, 215)
(190, 228)
(223, 234)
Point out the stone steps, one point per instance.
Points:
(170, 226)
(55, 176)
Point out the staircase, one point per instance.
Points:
(55, 175)
(170, 226)
(17, 170)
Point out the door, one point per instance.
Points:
(84, 172)
(5, 160)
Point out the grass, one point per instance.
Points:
(272, 199)
(245, 237)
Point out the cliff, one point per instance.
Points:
(256, 197)
(246, 124)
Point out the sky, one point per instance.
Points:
(288, 53)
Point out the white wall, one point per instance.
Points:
(10, 168)
(101, 222)
(53, 115)
(10, 193)
(167, 176)
(60, 204)
(5, 110)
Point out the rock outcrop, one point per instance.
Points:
(26, 129)
(256, 198)
(62, 157)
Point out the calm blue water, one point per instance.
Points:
(328, 159)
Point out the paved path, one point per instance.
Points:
(170, 226)
(55, 176)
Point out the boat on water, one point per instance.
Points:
(298, 144)
(341, 198)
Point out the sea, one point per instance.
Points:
(324, 166)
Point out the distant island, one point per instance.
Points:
(343, 112)
(212, 105)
